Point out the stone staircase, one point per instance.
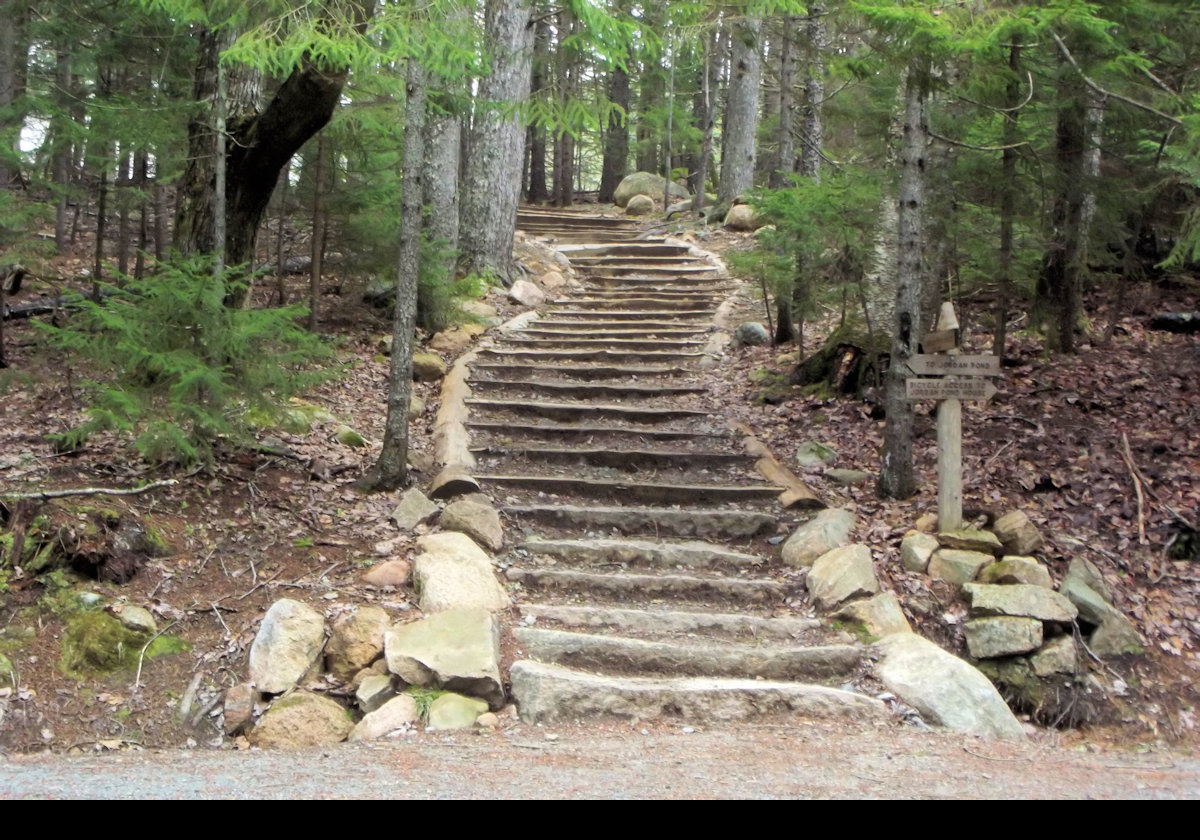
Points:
(643, 575)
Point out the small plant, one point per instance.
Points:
(424, 698)
(178, 369)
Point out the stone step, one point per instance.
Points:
(661, 303)
(638, 491)
(680, 269)
(655, 622)
(634, 435)
(581, 236)
(561, 411)
(692, 658)
(576, 355)
(484, 370)
(548, 693)
(571, 220)
(604, 291)
(584, 390)
(647, 247)
(624, 332)
(693, 554)
(694, 313)
(702, 523)
(648, 343)
(623, 586)
(628, 459)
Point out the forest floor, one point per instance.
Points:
(259, 527)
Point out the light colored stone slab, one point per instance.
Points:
(1019, 599)
(356, 641)
(397, 713)
(990, 638)
(828, 530)
(457, 650)
(839, 575)
(880, 616)
(413, 509)
(287, 644)
(957, 567)
(452, 572)
(374, 691)
(916, 549)
(1019, 535)
(475, 518)
(1057, 656)
(454, 711)
(944, 689)
(1012, 569)
(302, 719)
(970, 539)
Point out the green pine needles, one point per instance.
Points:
(169, 363)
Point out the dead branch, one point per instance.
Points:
(960, 143)
(142, 655)
(1137, 486)
(1150, 109)
(46, 495)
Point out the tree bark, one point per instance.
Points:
(318, 232)
(812, 140)
(488, 213)
(741, 110)
(785, 156)
(538, 191)
(707, 117)
(393, 457)
(1008, 195)
(62, 148)
(896, 476)
(616, 136)
(443, 132)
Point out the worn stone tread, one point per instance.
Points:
(630, 459)
(682, 587)
(585, 430)
(692, 554)
(643, 491)
(547, 409)
(579, 389)
(704, 523)
(665, 622)
(548, 693)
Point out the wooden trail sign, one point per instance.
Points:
(925, 364)
(949, 389)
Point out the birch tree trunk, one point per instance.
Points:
(488, 213)
(896, 475)
(741, 109)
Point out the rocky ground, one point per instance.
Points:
(265, 527)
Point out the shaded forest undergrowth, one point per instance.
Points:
(223, 544)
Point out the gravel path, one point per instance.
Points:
(820, 760)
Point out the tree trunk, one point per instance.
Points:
(491, 191)
(741, 110)
(812, 139)
(616, 136)
(101, 213)
(124, 182)
(1008, 195)
(538, 192)
(318, 232)
(896, 476)
(707, 117)
(392, 470)
(443, 132)
(12, 61)
(62, 148)
(785, 156)
(141, 166)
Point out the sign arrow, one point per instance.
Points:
(949, 389)
(930, 365)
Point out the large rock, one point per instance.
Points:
(356, 641)
(957, 567)
(457, 650)
(751, 334)
(479, 309)
(1116, 636)
(453, 711)
(828, 530)
(970, 539)
(1019, 535)
(552, 280)
(1081, 571)
(879, 616)
(477, 519)
(1057, 656)
(526, 293)
(645, 183)
(302, 719)
(989, 638)
(389, 573)
(398, 713)
(287, 644)
(812, 454)
(842, 574)
(427, 367)
(452, 572)
(374, 690)
(916, 549)
(413, 509)
(1019, 599)
(944, 689)
(640, 205)
(743, 217)
(239, 703)
(1017, 570)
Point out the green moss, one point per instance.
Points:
(97, 643)
(6, 671)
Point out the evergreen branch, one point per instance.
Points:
(1150, 109)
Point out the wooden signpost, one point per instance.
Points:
(941, 359)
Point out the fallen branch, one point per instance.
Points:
(46, 495)
(142, 655)
(1137, 486)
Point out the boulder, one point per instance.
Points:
(475, 517)
(847, 477)
(957, 567)
(452, 341)
(751, 334)
(137, 619)
(970, 539)
(839, 575)
(1057, 656)
(1017, 570)
(356, 641)
(1017, 533)
(479, 309)
(743, 217)
(552, 280)
(879, 616)
(413, 509)
(916, 549)
(1081, 571)
(452, 572)
(287, 644)
(416, 407)
(373, 691)
(347, 436)
(398, 713)
(457, 650)
(239, 703)
(1020, 599)
(526, 293)
(813, 454)
(427, 367)
(302, 719)
(1116, 636)
(944, 689)
(926, 522)
(828, 530)
(390, 573)
(453, 711)
(640, 205)
(990, 638)
(645, 183)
